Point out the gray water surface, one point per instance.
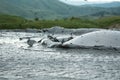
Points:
(20, 62)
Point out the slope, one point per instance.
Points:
(47, 9)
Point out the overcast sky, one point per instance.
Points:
(80, 2)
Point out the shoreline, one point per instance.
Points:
(57, 29)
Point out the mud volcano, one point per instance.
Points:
(103, 38)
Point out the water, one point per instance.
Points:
(19, 62)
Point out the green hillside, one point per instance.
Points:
(10, 22)
(49, 9)
(44, 9)
(10, 19)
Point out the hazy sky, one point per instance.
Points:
(79, 2)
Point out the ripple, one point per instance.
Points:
(18, 62)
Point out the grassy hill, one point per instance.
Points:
(15, 22)
(49, 9)
(44, 9)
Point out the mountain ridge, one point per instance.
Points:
(49, 9)
(105, 5)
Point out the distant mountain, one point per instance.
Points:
(49, 9)
(106, 5)
(30, 8)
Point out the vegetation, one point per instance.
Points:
(54, 9)
(15, 22)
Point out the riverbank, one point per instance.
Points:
(15, 22)
(54, 30)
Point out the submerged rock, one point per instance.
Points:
(103, 38)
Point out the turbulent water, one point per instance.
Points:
(20, 62)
